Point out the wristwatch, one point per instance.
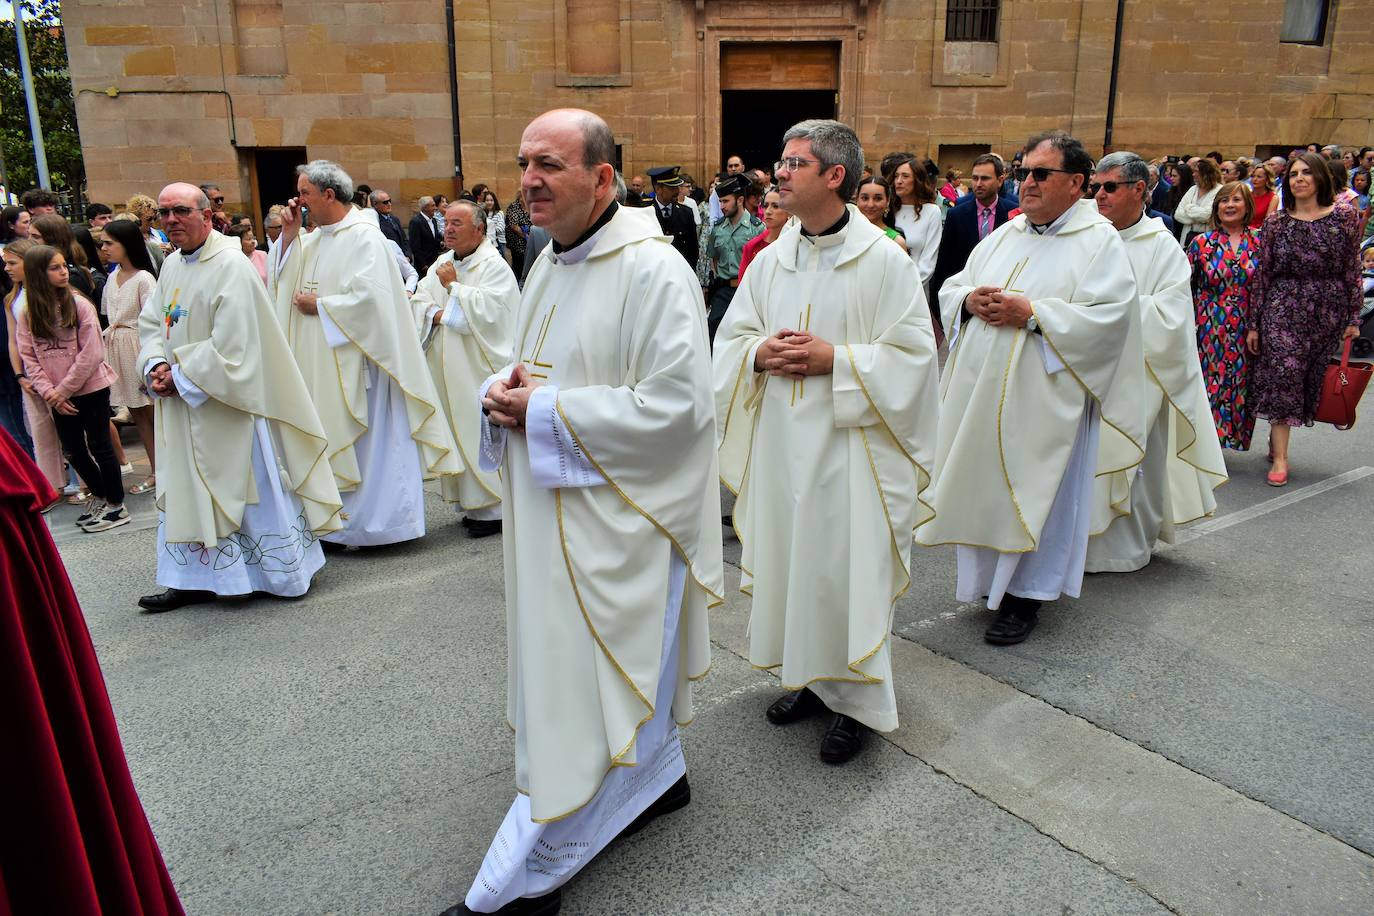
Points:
(1032, 325)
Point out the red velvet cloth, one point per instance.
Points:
(73, 835)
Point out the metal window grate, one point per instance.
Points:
(971, 20)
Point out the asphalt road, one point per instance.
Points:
(1197, 737)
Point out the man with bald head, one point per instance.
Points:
(603, 427)
(464, 307)
(228, 396)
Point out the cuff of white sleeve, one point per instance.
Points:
(454, 319)
(556, 461)
(332, 334)
(190, 392)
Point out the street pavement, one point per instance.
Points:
(1194, 738)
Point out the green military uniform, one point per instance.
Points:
(725, 246)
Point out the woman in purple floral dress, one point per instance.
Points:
(1223, 260)
(1307, 297)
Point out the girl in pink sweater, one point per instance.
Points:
(64, 360)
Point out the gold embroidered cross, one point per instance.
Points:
(539, 344)
(799, 385)
(1016, 270)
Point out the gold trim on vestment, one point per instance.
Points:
(1017, 345)
(470, 468)
(717, 599)
(1225, 478)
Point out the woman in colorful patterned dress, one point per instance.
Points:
(1307, 298)
(1224, 260)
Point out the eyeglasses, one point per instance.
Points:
(1111, 187)
(178, 212)
(218, 200)
(792, 163)
(1039, 173)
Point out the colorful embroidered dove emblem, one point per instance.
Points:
(173, 313)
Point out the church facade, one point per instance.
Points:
(238, 91)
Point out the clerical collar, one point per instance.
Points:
(1052, 227)
(839, 224)
(192, 255)
(585, 237)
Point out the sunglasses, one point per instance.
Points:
(218, 200)
(1039, 173)
(383, 203)
(1111, 187)
(178, 212)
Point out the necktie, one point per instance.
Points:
(434, 222)
(984, 223)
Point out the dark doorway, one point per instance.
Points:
(274, 176)
(753, 120)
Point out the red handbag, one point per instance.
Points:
(1341, 389)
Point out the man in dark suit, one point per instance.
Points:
(390, 225)
(675, 219)
(967, 223)
(426, 238)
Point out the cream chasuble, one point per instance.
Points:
(1015, 405)
(364, 368)
(472, 341)
(622, 336)
(1183, 458)
(829, 472)
(210, 319)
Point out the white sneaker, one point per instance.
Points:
(110, 517)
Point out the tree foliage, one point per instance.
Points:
(56, 106)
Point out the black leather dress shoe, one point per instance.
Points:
(795, 706)
(172, 599)
(679, 795)
(332, 546)
(480, 529)
(546, 905)
(842, 740)
(1014, 622)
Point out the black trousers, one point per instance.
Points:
(86, 441)
(721, 295)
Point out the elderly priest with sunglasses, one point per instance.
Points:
(1183, 462)
(348, 319)
(243, 482)
(1042, 393)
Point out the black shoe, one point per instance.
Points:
(1014, 622)
(173, 598)
(679, 795)
(842, 740)
(546, 905)
(794, 706)
(332, 546)
(480, 529)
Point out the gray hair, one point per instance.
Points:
(425, 201)
(833, 144)
(477, 214)
(328, 176)
(268, 219)
(1132, 167)
(621, 192)
(598, 143)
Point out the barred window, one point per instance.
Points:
(1304, 21)
(971, 20)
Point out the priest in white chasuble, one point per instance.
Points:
(604, 429)
(1183, 459)
(465, 308)
(243, 484)
(1042, 393)
(827, 399)
(348, 320)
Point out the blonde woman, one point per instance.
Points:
(144, 211)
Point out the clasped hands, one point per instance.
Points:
(507, 400)
(997, 308)
(160, 381)
(60, 404)
(794, 355)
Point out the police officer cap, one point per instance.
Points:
(735, 184)
(666, 175)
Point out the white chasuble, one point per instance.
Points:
(364, 368)
(615, 331)
(1183, 458)
(1020, 410)
(243, 471)
(829, 472)
(472, 341)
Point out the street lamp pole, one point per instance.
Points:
(40, 155)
